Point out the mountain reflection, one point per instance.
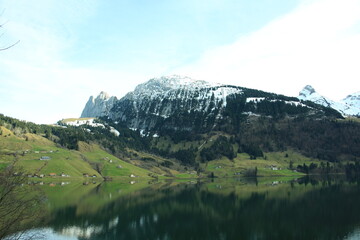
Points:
(305, 209)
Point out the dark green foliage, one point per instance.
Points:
(69, 137)
(253, 150)
(167, 164)
(352, 170)
(251, 172)
(148, 159)
(186, 157)
(221, 147)
(181, 135)
(323, 139)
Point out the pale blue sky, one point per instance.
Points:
(72, 49)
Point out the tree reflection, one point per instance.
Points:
(20, 205)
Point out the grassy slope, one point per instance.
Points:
(30, 148)
(111, 165)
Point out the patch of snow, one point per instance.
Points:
(114, 131)
(143, 133)
(80, 122)
(252, 114)
(255, 99)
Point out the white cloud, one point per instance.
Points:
(316, 44)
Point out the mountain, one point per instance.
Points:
(350, 106)
(195, 122)
(165, 98)
(99, 106)
(353, 103)
(181, 103)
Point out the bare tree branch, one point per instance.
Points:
(2, 26)
(6, 48)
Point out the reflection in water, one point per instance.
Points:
(305, 209)
(20, 205)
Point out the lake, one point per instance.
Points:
(211, 209)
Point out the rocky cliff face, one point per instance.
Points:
(99, 106)
(350, 106)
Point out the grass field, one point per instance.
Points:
(110, 165)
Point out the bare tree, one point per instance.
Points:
(19, 204)
(2, 34)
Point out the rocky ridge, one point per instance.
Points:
(99, 106)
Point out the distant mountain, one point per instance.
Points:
(350, 106)
(99, 106)
(353, 103)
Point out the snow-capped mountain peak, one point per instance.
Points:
(353, 99)
(166, 83)
(307, 91)
(348, 106)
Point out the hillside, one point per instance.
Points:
(76, 152)
(40, 156)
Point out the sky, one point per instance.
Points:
(71, 49)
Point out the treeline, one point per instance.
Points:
(351, 170)
(21, 127)
(69, 136)
(221, 147)
(185, 156)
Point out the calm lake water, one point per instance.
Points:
(219, 209)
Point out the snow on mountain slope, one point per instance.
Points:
(99, 106)
(350, 106)
(166, 96)
(353, 104)
(176, 91)
(175, 87)
(87, 122)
